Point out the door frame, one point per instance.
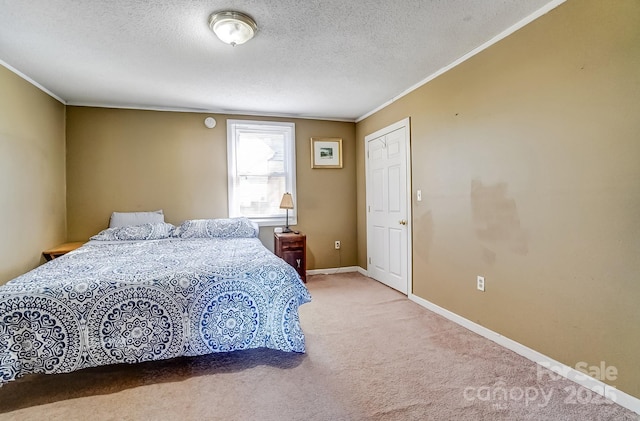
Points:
(406, 123)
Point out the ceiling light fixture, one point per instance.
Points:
(233, 28)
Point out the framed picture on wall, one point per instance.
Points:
(326, 152)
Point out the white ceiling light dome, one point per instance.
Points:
(233, 28)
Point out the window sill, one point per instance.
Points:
(274, 222)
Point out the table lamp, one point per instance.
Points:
(287, 203)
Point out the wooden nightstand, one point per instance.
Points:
(58, 251)
(292, 248)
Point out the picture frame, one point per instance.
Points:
(326, 152)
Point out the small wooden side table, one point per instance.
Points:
(58, 251)
(292, 248)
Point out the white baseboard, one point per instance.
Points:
(621, 398)
(331, 271)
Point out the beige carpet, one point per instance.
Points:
(371, 355)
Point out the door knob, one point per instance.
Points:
(403, 222)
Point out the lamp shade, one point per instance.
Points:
(287, 201)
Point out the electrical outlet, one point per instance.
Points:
(480, 283)
(337, 244)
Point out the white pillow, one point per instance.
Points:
(125, 219)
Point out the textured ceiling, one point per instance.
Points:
(330, 59)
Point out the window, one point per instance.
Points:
(261, 165)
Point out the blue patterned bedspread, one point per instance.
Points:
(148, 300)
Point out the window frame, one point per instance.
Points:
(289, 132)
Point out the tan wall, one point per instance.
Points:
(131, 160)
(32, 174)
(528, 158)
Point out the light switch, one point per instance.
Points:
(419, 195)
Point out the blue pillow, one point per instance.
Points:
(151, 231)
(217, 228)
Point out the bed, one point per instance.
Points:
(150, 292)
